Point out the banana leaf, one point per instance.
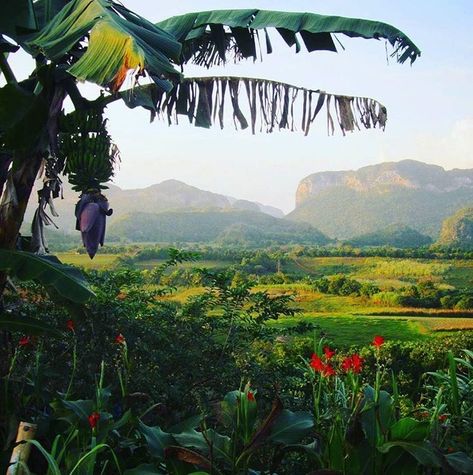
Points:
(118, 42)
(48, 271)
(260, 104)
(27, 325)
(17, 18)
(209, 36)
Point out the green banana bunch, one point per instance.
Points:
(88, 151)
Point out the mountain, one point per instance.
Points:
(457, 230)
(343, 204)
(169, 195)
(396, 235)
(223, 226)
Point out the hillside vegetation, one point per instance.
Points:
(399, 236)
(242, 227)
(457, 230)
(349, 203)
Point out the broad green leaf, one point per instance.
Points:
(23, 117)
(423, 452)
(410, 429)
(229, 407)
(156, 439)
(82, 408)
(192, 439)
(208, 28)
(45, 10)
(452, 372)
(48, 271)
(291, 427)
(221, 444)
(17, 17)
(460, 462)
(27, 325)
(371, 414)
(52, 465)
(119, 42)
(186, 425)
(143, 469)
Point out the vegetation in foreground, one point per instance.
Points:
(138, 383)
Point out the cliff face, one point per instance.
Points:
(385, 177)
(349, 203)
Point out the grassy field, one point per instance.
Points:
(346, 319)
(100, 261)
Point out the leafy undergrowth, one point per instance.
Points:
(138, 383)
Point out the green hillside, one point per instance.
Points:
(344, 212)
(396, 235)
(457, 230)
(242, 227)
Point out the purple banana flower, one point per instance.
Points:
(91, 212)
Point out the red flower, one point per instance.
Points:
(353, 363)
(70, 325)
(378, 341)
(357, 363)
(25, 341)
(443, 417)
(93, 419)
(120, 339)
(316, 363)
(347, 364)
(328, 371)
(250, 396)
(328, 352)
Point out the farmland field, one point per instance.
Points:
(348, 319)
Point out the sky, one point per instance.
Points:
(430, 104)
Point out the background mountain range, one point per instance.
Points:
(393, 202)
(347, 203)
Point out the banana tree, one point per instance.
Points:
(103, 42)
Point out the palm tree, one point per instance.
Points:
(103, 42)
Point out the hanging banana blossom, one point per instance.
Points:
(90, 159)
(91, 212)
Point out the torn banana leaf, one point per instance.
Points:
(257, 103)
(212, 37)
(110, 41)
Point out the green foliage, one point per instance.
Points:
(332, 210)
(49, 271)
(457, 230)
(208, 226)
(316, 32)
(397, 236)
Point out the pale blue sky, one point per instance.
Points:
(430, 105)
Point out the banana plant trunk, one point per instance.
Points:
(14, 199)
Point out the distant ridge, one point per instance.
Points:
(169, 195)
(344, 204)
(243, 227)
